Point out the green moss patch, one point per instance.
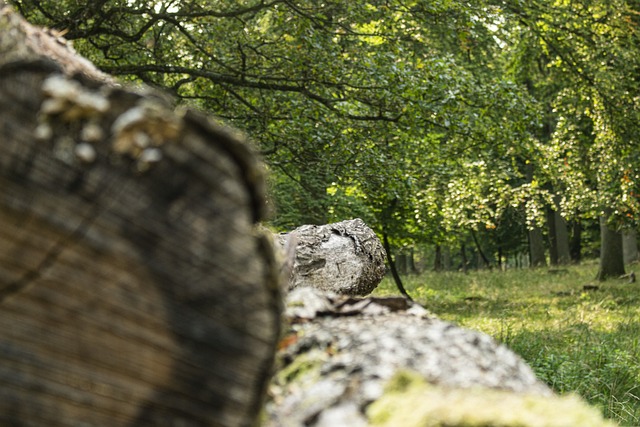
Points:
(305, 367)
(409, 401)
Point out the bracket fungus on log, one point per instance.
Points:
(134, 287)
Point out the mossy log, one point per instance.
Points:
(134, 289)
(363, 362)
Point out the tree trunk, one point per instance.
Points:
(575, 243)
(537, 256)
(437, 262)
(463, 255)
(345, 257)
(630, 246)
(551, 233)
(446, 258)
(482, 257)
(562, 240)
(341, 353)
(411, 262)
(392, 267)
(611, 254)
(134, 289)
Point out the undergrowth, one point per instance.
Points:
(577, 334)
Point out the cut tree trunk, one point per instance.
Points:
(340, 352)
(345, 257)
(133, 287)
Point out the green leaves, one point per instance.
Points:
(427, 117)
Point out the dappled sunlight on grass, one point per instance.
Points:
(579, 335)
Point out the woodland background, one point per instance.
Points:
(477, 133)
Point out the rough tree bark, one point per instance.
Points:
(350, 362)
(559, 253)
(133, 287)
(552, 236)
(345, 257)
(611, 254)
(562, 240)
(537, 257)
(575, 243)
(630, 246)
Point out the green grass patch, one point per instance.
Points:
(577, 334)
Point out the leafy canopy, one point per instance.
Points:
(425, 117)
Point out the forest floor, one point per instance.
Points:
(579, 335)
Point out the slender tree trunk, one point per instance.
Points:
(551, 233)
(611, 253)
(575, 243)
(412, 262)
(537, 256)
(630, 246)
(392, 266)
(463, 254)
(483, 257)
(446, 258)
(562, 240)
(437, 263)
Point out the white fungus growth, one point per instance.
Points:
(145, 126)
(43, 132)
(85, 152)
(137, 133)
(141, 140)
(69, 98)
(128, 119)
(91, 132)
(148, 158)
(151, 155)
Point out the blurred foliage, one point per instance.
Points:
(430, 119)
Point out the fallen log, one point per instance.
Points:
(344, 257)
(374, 361)
(133, 287)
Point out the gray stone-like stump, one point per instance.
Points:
(344, 257)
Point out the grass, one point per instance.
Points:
(576, 339)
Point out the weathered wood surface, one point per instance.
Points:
(133, 287)
(341, 355)
(344, 257)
